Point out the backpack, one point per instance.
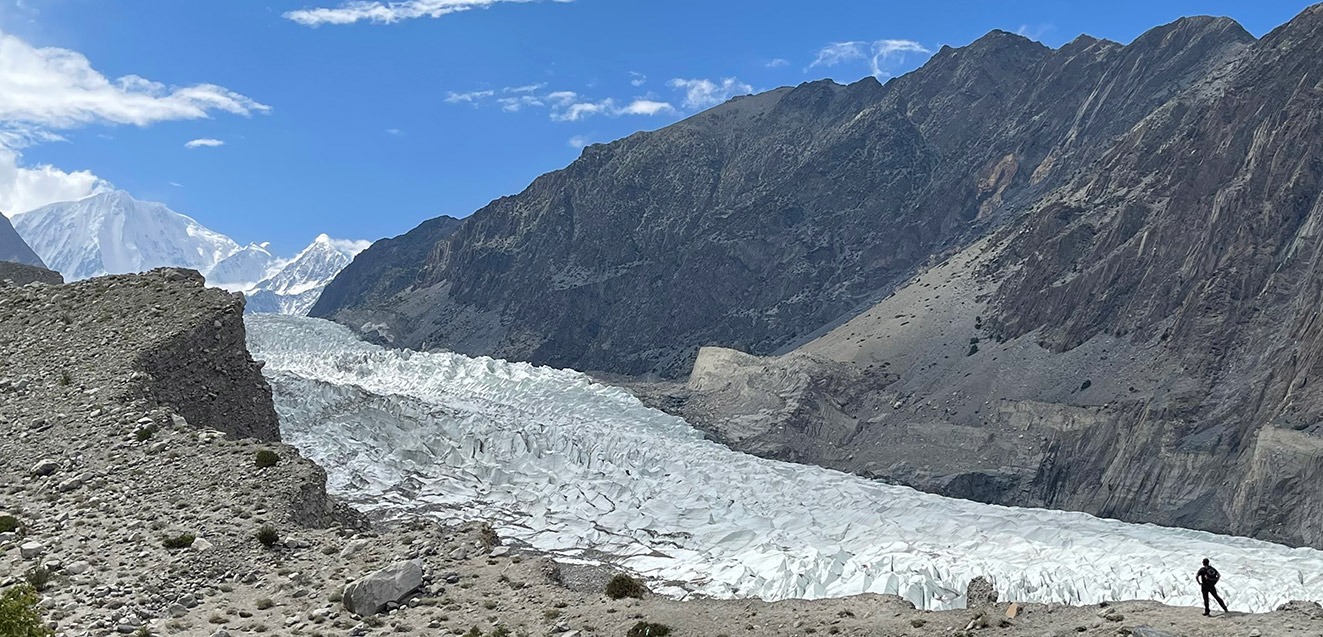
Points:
(1211, 576)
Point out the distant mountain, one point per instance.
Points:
(113, 233)
(244, 269)
(295, 286)
(13, 248)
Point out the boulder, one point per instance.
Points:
(31, 550)
(45, 467)
(367, 596)
(980, 592)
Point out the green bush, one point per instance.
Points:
(8, 524)
(181, 541)
(622, 586)
(18, 613)
(268, 536)
(265, 458)
(39, 577)
(648, 629)
(144, 434)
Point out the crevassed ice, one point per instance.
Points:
(584, 470)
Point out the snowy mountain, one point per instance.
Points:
(13, 248)
(244, 269)
(113, 233)
(583, 470)
(295, 286)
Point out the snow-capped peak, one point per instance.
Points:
(298, 282)
(112, 233)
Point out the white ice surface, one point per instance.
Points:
(585, 470)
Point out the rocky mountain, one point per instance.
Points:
(756, 223)
(294, 285)
(12, 247)
(1139, 344)
(1080, 278)
(113, 233)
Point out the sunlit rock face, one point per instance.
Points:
(586, 471)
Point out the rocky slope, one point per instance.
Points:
(22, 274)
(12, 247)
(99, 472)
(754, 224)
(1138, 346)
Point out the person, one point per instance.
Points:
(1207, 578)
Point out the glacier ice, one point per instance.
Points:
(584, 470)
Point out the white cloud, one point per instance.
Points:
(576, 111)
(578, 141)
(471, 97)
(777, 63)
(23, 189)
(637, 79)
(388, 12)
(1035, 31)
(701, 93)
(646, 107)
(531, 88)
(882, 55)
(52, 88)
(352, 247)
(394, 131)
(175, 184)
(205, 142)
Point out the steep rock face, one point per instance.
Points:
(755, 223)
(1139, 345)
(12, 247)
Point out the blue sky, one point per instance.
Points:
(363, 129)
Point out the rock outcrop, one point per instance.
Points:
(12, 273)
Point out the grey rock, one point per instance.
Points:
(201, 545)
(500, 551)
(71, 484)
(77, 568)
(45, 467)
(353, 547)
(980, 593)
(31, 550)
(370, 594)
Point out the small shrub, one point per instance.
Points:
(65, 379)
(489, 605)
(550, 614)
(474, 632)
(265, 458)
(144, 434)
(918, 622)
(39, 577)
(264, 603)
(181, 541)
(8, 524)
(500, 631)
(268, 536)
(622, 586)
(19, 616)
(648, 629)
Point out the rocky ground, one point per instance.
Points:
(108, 472)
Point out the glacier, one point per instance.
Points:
(586, 472)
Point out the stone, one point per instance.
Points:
(370, 594)
(45, 467)
(176, 610)
(1012, 610)
(31, 550)
(980, 592)
(500, 551)
(71, 484)
(77, 568)
(1254, 632)
(353, 547)
(200, 545)
(1148, 631)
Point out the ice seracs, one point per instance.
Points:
(113, 233)
(577, 468)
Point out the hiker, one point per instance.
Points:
(1207, 578)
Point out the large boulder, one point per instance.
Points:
(979, 593)
(367, 596)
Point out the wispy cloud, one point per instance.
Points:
(53, 88)
(46, 90)
(637, 79)
(394, 132)
(388, 12)
(175, 184)
(205, 142)
(1035, 31)
(777, 63)
(578, 141)
(704, 93)
(561, 105)
(882, 55)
